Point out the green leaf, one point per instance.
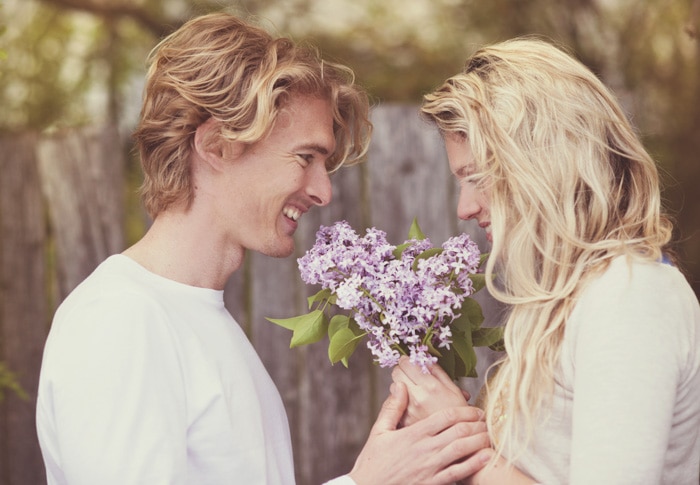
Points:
(462, 344)
(461, 370)
(478, 281)
(398, 252)
(8, 380)
(431, 348)
(288, 323)
(324, 294)
(472, 309)
(483, 258)
(499, 346)
(356, 328)
(487, 336)
(428, 253)
(415, 231)
(342, 345)
(311, 328)
(447, 362)
(338, 322)
(462, 323)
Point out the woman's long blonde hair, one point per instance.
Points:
(571, 187)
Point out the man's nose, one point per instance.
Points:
(319, 187)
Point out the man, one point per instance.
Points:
(146, 377)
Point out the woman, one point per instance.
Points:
(601, 379)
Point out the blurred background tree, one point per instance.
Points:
(73, 62)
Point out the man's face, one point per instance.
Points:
(278, 179)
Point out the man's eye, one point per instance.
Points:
(305, 158)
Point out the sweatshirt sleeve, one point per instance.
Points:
(344, 480)
(628, 346)
(112, 401)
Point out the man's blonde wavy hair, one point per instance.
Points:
(217, 66)
(571, 187)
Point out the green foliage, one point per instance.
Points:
(344, 335)
(308, 328)
(415, 232)
(3, 28)
(8, 381)
(31, 93)
(66, 67)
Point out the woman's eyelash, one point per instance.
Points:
(467, 179)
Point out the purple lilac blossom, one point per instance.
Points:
(399, 307)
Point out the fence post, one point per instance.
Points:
(61, 214)
(82, 179)
(23, 305)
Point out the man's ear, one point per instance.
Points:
(208, 143)
(212, 147)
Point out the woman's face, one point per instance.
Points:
(473, 201)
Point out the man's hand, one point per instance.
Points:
(427, 393)
(441, 449)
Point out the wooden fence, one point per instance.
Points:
(61, 213)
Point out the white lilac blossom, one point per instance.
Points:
(413, 299)
(404, 304)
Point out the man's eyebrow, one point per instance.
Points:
(314, 147)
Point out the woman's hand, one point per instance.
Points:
(498, 472)
(443, 448)
(428, 393)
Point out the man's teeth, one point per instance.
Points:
(293, 214)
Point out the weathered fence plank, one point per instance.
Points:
(409, 176)
(83, 183)
(330, 408)
(23, 305)
(337, 403)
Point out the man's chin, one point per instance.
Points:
(279, 252)
(284, 254)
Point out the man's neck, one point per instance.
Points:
(181, 247)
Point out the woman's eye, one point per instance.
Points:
(465, 180)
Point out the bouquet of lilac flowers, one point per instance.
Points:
(413, 299)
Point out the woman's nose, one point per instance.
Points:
(467, 206)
